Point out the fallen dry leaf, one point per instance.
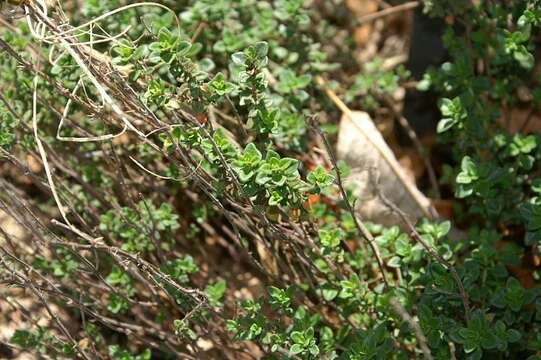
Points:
(375, 172)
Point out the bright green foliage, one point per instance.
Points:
(289, 132)
(291, 84)
(62, 267)
(330, 238)
(303, 343)
(220, 86)
(180, 268)
(7, 128)
(117, 353)
(320, 179)
(281, 299)
(248, 163)
(374, 83)
(215, 292)
(274, 178)
(122, 282)
(182, 328)
(226, 169)
(453, 113)
(143, 228)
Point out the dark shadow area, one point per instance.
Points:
(420, 108)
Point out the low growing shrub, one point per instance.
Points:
(171, 166)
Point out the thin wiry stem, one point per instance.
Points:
(361, 228)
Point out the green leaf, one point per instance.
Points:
(25, 339)
(239, 58)
(443, 229)
(297, 337)
(220, 86)
(536, 186)
(319, 178)
(275, 198)
(296, 349)
(215, 292)
(513, 335)
(468, 173)
(453, 113)
(524, 57)
(289, 166)
(331, 238)
(394, 262)
(445, 124)
(329, 294)
(262, 49)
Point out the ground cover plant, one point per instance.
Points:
(172, 168)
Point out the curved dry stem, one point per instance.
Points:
(42, 153)
(42, 20)
(112, 12)
(87, 138)
(103, 39)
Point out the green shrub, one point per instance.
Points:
(200, 177)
